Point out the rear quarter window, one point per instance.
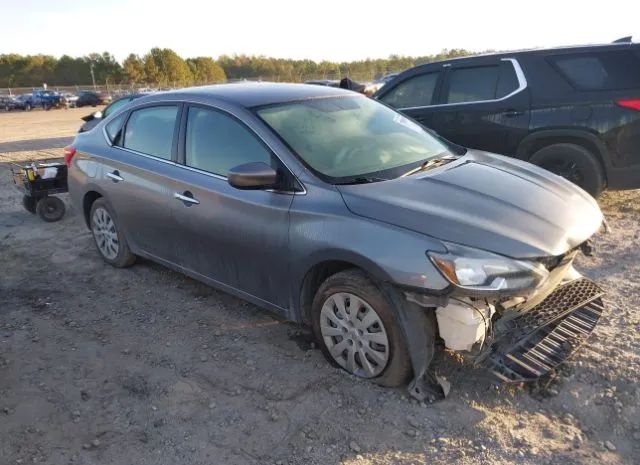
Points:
(604, 70)
(114, 129)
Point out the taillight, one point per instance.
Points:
(631, 103)
(69, 152)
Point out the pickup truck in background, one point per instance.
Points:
(46, 99)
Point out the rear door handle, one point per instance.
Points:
(513, 113)
(115, 176)
(186, 197)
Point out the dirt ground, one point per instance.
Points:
(145, 366)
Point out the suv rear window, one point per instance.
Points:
(605, 70)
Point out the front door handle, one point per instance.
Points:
(115, 176)
(513, 113)
(187, 198)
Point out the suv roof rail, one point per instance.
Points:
(623, 40)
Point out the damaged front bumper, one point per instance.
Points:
(534, 343)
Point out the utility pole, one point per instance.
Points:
(93, 78)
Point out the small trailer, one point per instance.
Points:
(40, 182)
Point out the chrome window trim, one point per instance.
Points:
(522, 85)
(190, 168)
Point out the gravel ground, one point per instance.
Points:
(106, 366)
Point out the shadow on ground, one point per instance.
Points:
(35, 144)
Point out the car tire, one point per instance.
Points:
(50, 209)
(29, 203)
(27, 107)
(108, 237)
(572, 162)
(333, 331)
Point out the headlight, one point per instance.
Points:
(486, 272)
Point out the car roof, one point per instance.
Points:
(516, 53)
(254, 94)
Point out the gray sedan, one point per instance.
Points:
(335, 211)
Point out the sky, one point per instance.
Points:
(334, 30)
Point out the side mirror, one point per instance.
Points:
(257, 175)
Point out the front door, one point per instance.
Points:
(238, 238)
(415, 95)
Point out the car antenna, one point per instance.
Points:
(623, 40)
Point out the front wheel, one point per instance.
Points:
(357, 329)
(574, 163)
(109, 239)
(50, 209)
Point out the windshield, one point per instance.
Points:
(349, 137)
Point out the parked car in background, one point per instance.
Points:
(69, 99)
(372, 87)
(324, 82)
(7, 102)
(23, 102)
(383, 235)
(574, 111)
(91, 98)
(90, 121)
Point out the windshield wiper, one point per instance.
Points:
(431, 163)
(360, 180)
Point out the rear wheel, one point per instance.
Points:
(357, 330)
(109, 239)
(50, 209)
(574, 163)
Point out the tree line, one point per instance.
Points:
(163, 67)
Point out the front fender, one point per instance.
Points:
(388, 253)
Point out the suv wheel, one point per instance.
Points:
(572, 162)
(357, 330)
(108, 238)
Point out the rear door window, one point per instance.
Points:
(604, 70)
(150, 130)
(416, 91)
(216, 142)
(473, 84)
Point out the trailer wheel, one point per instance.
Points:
(50, 209)
(29, 203)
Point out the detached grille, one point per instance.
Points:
(545, 336)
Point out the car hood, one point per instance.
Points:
(485, 201)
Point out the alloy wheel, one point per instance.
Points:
(354, 335)
(105, 233)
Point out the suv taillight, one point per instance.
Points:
(69, 152)
(631, 103)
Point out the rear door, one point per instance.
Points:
(237, 238)
(484, 104)
(137, 179)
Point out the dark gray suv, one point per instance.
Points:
(336, 211)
